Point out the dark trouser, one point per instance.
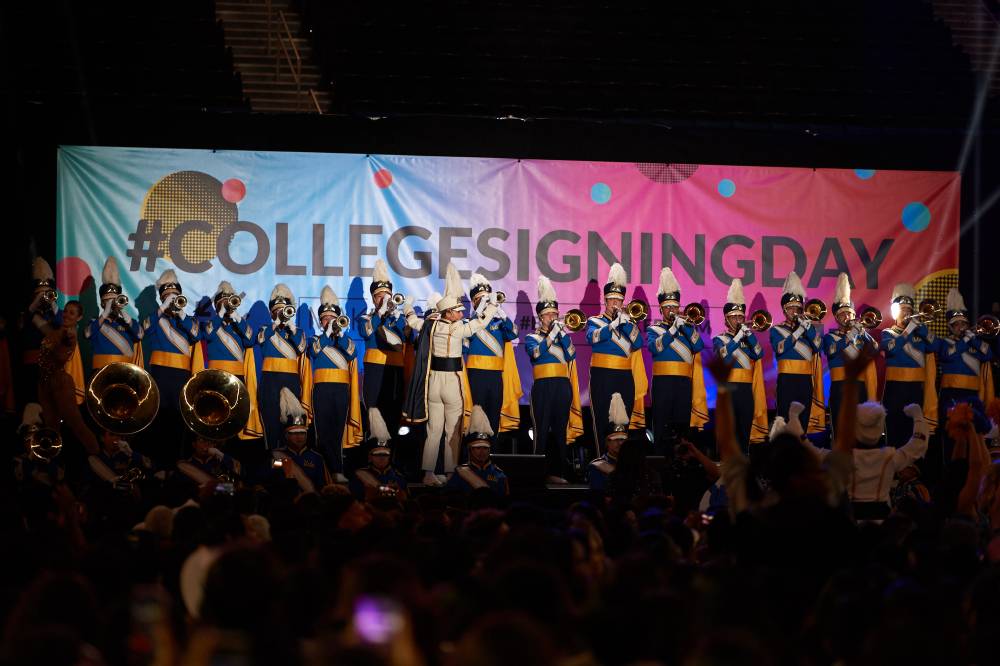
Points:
(946, 400)
(487, 392)
(671, 410)
(899, 426)
(743, 407)
(383, 388)
(604, 383)
(269, 399)
(794, 388)
(164, 440)
(551, 398)
(836, 391)
(870, 510)
(330, 403)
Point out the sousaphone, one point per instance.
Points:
(122, 398)
(215, 404)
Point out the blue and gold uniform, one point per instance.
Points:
(796, 344)
(845, 343)
(486, 362)
(739, 348)
(379, 478)
(310, 462)
(114, 336)
(910, 368)
(385, 335)
(282, 350)
(334, 374)
(555, 393)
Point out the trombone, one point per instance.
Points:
(637, 310)
(987, 326)
(760, 320)
(814, 309)
(575, 320)
(694, 314)
(871, 317)
(926, 311)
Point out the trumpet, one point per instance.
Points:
(694, 314)
(49, 296)
(343, 322)
(988, 326)
(814, 309)
(575, 320)
(397, 299)
(287, 313)
(121, 301)
(926, 311)
(501, 298)
(760, 320)
(871, 317)
(637, 310)
(233, 302)
(179, 303)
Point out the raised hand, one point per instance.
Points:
(719, 370)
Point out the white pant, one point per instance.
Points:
(444, 413)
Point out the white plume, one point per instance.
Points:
(40, 269)
(328, 297)
(546, 292)
(735, 294)
(668, 283)
(478, 422)
(225, 288)
(478, 279)
(32, 414)
(904, 289)
(617, 413)
(281, 290)
(166, 277)
(379, 430)
(954, 300)
(453, 282)
(110, 273)
(793, 285)
(843, 292)
(290, 405)
(381, 272)
(616, 275)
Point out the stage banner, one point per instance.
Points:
(311, 219)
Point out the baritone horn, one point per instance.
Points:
(637, 310)
(814, 309)
(215, 404)
(575, 320)
(871, 317)
(760, 320)
(122, 398)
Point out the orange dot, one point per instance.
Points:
(383, 178)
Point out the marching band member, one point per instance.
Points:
(678, 382)
(555, 394)
(114, 336)
(601, 468)
(229, 345)
(57, 388)
(480, 472)
(29, 468)
(613, 337)
(379, 478)
(297, 461)
(910, 367)
(208, 463)
(285, 363)
(337, 403)
(42, 315)
(489, 362)
(964, 358)
(796, 343)
(384, 332)
(116, 458)
(845, 343)
(739, 348)
(436, 393)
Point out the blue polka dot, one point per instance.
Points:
(600, 193)
(727, 188)
(916, 216)
(864, 174)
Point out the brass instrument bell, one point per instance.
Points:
(287, 313)
(501, 298)
(122, 398)
(637, 310)
(44, 444)
(814, 309)
(342, 322)
(987, 325)
(121, 301)
(694, 314)
(871, 317)
(760, 320)
(575, 320)
(215, 404)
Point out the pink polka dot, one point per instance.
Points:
(233, 190)
(71, 272)
(383, 178)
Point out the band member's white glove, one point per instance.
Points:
(621, 319)
(125, 316)
(290, 325)
(483, 302)
(235, 316)
(795, 410)
(54, 306)
(554, 331)
(912, 326)
(329, 329)
(740, 334)
(384, 307)
(490, 312)
(106, 310)
(500, 314)
(968, 336)
(216, 453)
(124, 447)
(408, 306)
(914, 411)
(167, 302)
(341, 332)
